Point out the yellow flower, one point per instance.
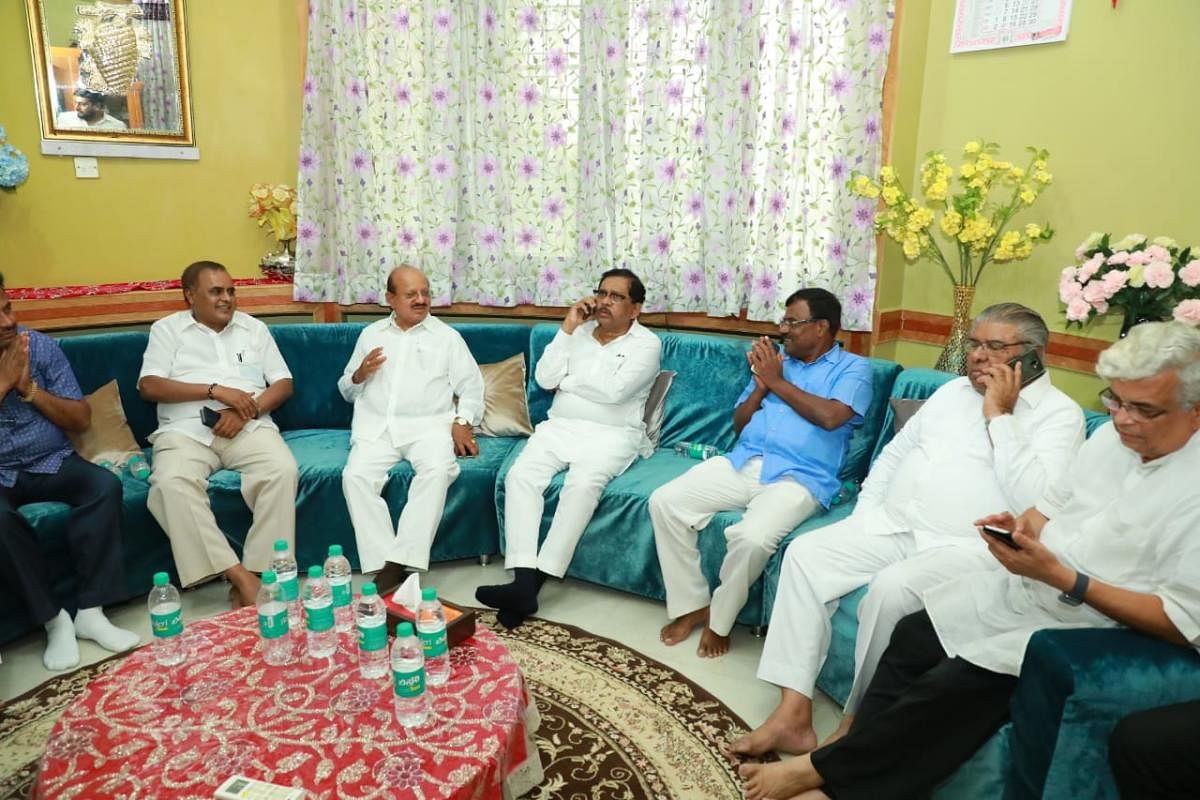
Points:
(912, 247)
(1024, 250)
(1016, 173)
(951, 223)
(1043, 177)
(920, 219)
(891, 195)
(938, 190)
(967, 170)
(1137, 276)
(281, 193)
(260, 191)
(1033, 231)
(887, 174)
(864, 187)
(972, 147)
(1028, 195)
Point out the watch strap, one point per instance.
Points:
(1074, 595)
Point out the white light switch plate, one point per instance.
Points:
(87, 168)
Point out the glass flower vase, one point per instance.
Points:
(954, 355)
(280, 263)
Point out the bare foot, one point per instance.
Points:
(782, 731)
(712, 645)
(679, 629)
(780, 779)
(243, 586)
(842, 729)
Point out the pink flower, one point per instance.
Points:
(528, 168)
(1069, 291)
(662, 244)
(587, 242)
(405, 166)
(1067, 274)
(400, 20)
(1119, 257)
(556, 136)
(439, 94)
(876, 39)
(1139, 258)
(1188, 311)
(1159, 274)
(695, 205)
(839, 84)
(1115, 280)
(441, 167)
(1078, 310)
(1158, 253)
(488, 167)
(529, 95)
(668, 170)
(1190, 274)
(698, 129)
(1088, 268)
(552, 208)
(527, 18)
(556, 60)
(402, 94)
(612, 50)
(1096, 292)
(527, 238)
(675, 92)
(487, 94)
(443, 239)
(407, 237)
(490, 239)
(777, 203)
(441, 20)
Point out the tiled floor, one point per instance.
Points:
(631, 620)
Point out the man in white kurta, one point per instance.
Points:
(601, 365)
(403, 378)
(980, 443)
(1112, 542)
(214, 356)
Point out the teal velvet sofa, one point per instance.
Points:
(1074, 686)
(315, 423)
(617, 547)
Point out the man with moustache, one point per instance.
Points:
(40, 402)
(601, 365)
(90, 112)
(980, 443)
(1110, 543)
(213, 356)
(403, 378)
(794, 420)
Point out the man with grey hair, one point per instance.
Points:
(991, 439)
(1111, 543)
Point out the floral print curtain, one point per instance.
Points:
(514, 151)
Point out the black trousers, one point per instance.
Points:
(1155, 754)
(923, 715)
(93, 535)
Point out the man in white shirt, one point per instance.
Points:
(602, 364)
(981, 442)
(90, 112)
(1112, 542)
(214, 357)
(403, 378)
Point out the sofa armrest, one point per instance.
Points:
(1075, 685)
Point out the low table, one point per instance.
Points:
(145, 731)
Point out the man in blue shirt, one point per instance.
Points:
(794, 420)
(39, 400)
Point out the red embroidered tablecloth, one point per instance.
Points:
(144, 731)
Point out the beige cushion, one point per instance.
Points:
(903, 409)
(653, 415)
(505, 411)
(108, 438)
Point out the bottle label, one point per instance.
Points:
(167, 625)
(696, 450)
(409, 684)
(342, 594)
(290, 588)
(433, 643)
(372, 638)
(319, 618)
(272, 626)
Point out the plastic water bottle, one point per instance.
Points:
(431, 627)
(408, 678)
(110, 466)
(696, 450)
(166, 621)
(337, 572)
(318, 614)
(370, 614)
(273, 622)
(138, 467)
(283, 564)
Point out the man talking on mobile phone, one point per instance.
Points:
(601, 365)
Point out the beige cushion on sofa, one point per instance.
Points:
(903, 408)
(653, 416)
(505, 410)
(108, 438)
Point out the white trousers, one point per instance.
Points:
(179, 501)
(593, 455)
(430, 451)
(684, 506)
(821, 566)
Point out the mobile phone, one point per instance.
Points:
(209, 417)
(1032, 366)
(1002, 535)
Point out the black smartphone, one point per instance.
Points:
(1032, 366)
(1002, 535)
(209, 417)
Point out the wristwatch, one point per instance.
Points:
(461, 421)
(1074, 595)
(28, 396)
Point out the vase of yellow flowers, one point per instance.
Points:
(274, 206)
(965, 213)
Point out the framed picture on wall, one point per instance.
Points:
(111, 74)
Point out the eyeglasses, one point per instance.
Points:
(788, 324)
(991, 345)
(1138, 412)
(616, 297)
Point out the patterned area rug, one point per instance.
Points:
(615, 725)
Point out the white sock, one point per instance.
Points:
(90, 623)
(62, 651)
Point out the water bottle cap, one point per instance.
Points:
(280, 545)
(403, 629)
(369, 589)
(429, 593)
(268, 577)
(161, 579)
(315, 572)
(335, 549)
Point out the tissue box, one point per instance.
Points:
(460, 622)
